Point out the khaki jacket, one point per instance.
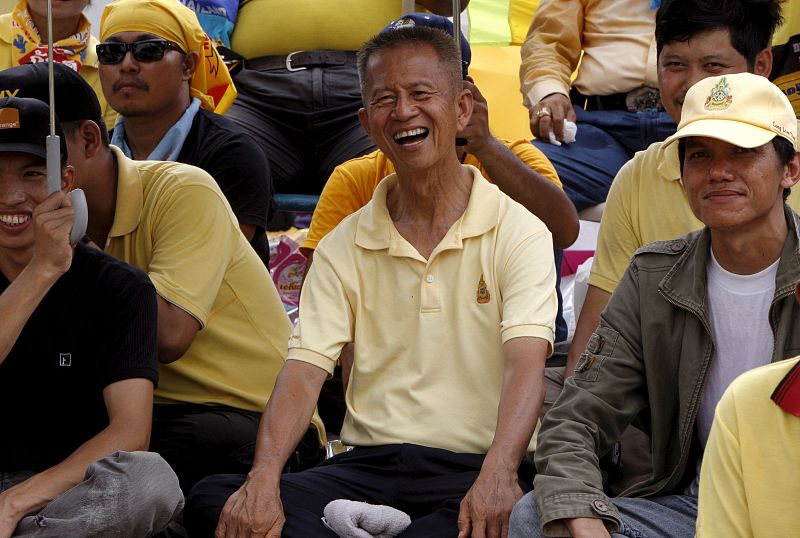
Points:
(647, 363)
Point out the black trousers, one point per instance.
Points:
(426, 483)
(202, 440)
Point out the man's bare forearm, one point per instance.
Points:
(520, 402)
(131, 433)
(539, 195)
(287, 417)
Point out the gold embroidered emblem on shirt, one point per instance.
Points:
(483, 292)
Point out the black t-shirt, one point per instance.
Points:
(96, 326)
(234, 160)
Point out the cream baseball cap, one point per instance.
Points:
(743, 109)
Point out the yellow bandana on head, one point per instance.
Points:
(173, 21)
(29, 49)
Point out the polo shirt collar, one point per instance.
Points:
(376, 231)
(668, 165)
(130, 196)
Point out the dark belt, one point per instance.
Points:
(302, 59)
(638, 100)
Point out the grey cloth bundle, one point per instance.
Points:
(354, 519)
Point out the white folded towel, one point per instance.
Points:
(353, 519)
(570, 131)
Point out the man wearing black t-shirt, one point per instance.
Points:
(166, 114)
(77, 363)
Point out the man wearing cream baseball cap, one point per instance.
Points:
(688, 316)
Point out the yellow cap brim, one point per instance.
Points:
(738, 133)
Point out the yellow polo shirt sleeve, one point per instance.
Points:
(328, 315)
(527, 281)
(188, 233)
(348, 189)
(618, 237)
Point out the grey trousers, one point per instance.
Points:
(671, 516)
(127, 494)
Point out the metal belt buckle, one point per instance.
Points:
(643, 99)
(289, 62)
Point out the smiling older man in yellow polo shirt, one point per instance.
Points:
(446, 288)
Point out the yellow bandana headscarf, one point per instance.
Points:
(29, 48)
(173, 21)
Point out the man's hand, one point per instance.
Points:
(477, 130)
(487, 505)
(550, 113)
(8, 516)
(255, 510)
(586, 527)
(52, 223)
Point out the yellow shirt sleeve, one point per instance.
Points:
(535, 159)
(348, 189)
(617, 239)
(186, 249)
(722, 503)
(326, 317)
(527, 280)
(551, 49)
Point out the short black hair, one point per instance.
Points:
(441, 42)
(783, 148)
(70, 127)
(751, 23)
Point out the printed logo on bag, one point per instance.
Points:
(65, 359)
(483, 292)
(720, 97)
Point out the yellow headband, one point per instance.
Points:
(171, 20)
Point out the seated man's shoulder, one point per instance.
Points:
(659, 253)
(105, 272)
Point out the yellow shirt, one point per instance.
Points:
(271, 27)
(616, 37)
(646, 203)
(428, 334)
(89, 67)
(173, 222)
(352, 184)
(750, 477)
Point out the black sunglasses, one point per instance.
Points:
(150, 50)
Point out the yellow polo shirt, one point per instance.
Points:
(173, 222)
(428, 334)
(749, 478)
(352, 184)
(646, 203)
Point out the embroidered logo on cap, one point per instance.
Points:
(720, 97)
(403, 23)
(483, 292)
(9, 118)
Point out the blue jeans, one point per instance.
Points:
(606, 140)
(671, 516)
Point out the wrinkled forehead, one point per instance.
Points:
(405, 64)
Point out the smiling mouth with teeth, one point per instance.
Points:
(407, 137)
(14, 220)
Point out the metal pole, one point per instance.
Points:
(456, 26)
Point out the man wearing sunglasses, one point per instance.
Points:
(221, 328)
(164, 77)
